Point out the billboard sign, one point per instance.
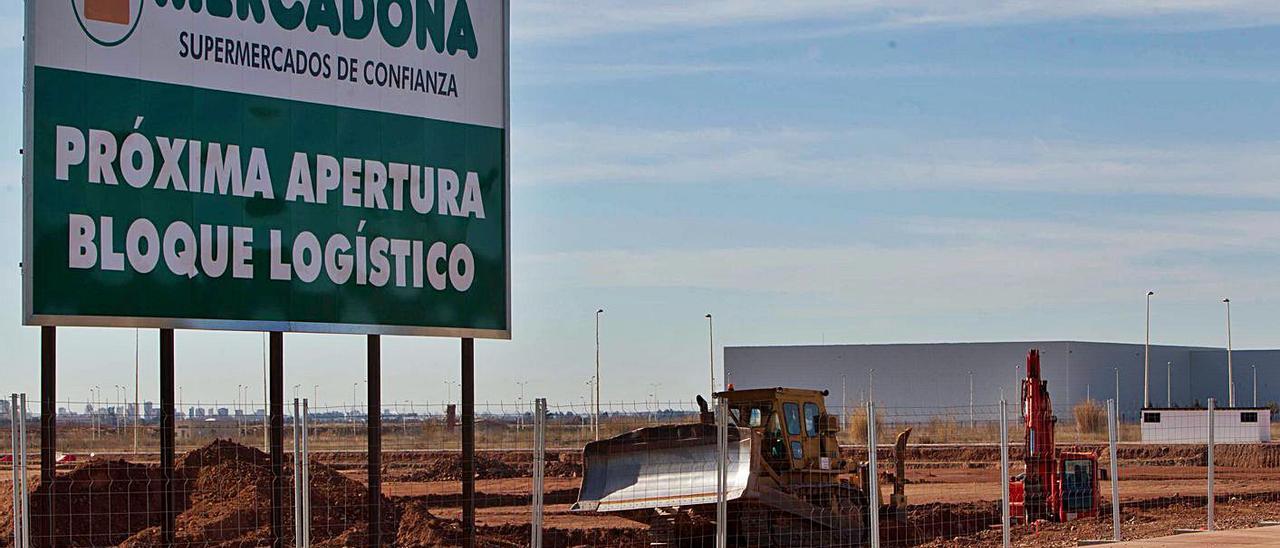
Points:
(285, 165)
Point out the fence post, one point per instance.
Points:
(1209, 463)
(873, 483)
(539, 467)
(15, 482)
(1004, 474)
(1113, 428)
(305, 528)
(297, 477)
(722, 472)
(26, 489)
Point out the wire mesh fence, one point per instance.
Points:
(767, 468)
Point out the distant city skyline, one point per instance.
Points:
(809, 172)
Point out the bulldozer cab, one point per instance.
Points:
(795, 431)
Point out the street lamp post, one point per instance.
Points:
(1168, 384)
(1118, 413)
(711, 342)
(1231, 378)
(595, 418)
(971, 423)
(596, 399)
(520, 406)
(1146, 360)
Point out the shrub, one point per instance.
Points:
(858, 425)
(1091, 417)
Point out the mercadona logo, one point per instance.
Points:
(108, 22)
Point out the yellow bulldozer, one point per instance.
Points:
(787, 482)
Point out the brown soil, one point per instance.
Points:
(1251, 456)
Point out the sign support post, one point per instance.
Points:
(168, 496)
(468, 444)
(276, 410)
(375, 440)
(49, 419)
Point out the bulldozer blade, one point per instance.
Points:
(661, 467)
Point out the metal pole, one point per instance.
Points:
(468, 444)
(25, 489)
(297, 476)
(1168, 384)
(722, 472)
(874, 495)
(596, 416)
(1255, 385)
(1112, 427)
(266, 397)
(15, 481)
(49, 421)
(711, 345)
(1209, 463)
(168, 492)
(306, 476)
(276, 412)
(539, 468)
(375, 440)
(971, 422)
(1004, 473)
(1231, 377)
(137, 405)
(1146, 358)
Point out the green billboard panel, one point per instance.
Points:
(268, 168)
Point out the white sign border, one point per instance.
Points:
(28, 153)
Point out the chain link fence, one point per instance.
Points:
(759, 469)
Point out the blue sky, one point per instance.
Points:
(816, 171)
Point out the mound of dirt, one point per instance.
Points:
(419, 527)
(98, 503)
(948, 521)
(227, 492)
(449, 468)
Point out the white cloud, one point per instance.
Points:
(872, 159)
(962, 264)
(555, 19)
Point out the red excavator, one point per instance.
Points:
(1057, 486)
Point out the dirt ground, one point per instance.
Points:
(952, 492)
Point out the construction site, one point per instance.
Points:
(970, 200)
(939, 478)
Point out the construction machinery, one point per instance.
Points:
(1057, 485)
(786, 482)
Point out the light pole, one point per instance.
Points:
(315, 395)
(1255, 385)
(1118, 413)
(596, 398)
(137, 405)
(1168, 384)
(654, 413)
(871, 379)
(711, 342)
(971, 423)
(844, 403)
(1231, 378)
(520, 406)
(1146, 359)
(592, 388)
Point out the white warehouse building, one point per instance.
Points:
(1235, 425)
(936, 375)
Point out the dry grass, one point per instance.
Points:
(857, 431)
(1091, 417)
